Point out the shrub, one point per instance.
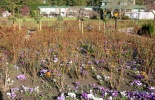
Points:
(59, 18)
(125, 17)
(25, 10)
(146, 30)
(33, 13)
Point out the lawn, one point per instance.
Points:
(60, 62)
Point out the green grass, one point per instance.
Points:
(48, 19)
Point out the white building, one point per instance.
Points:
(6, 14)
(131, 10)
(53, 11)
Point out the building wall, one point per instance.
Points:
(140, 15)
(47, 10)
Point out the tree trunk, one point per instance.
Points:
(154, 16)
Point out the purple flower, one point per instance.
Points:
(61, 97)
(12, 95)
(43, 71)
(96, 62)
(93, 85)
(89, 62)
(30, 90)
(115, 93)
(139, 77)
(136, 82)
(77, 83)
(42, 81)
(151, 88)
(21, 77)
(84, 72)
(85, 96)
(128, 67)
(102, 61)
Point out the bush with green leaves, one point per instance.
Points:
(125, 17)
(59, 18)
(146, 30)
(33, 13)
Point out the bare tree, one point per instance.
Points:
(150, 6)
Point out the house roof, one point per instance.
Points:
(52, 6)
(64, 6)
(127, 7)
(105, 1)
(139, 6)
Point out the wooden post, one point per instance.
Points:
(40, 25)
(79, 24)
(19, 25)
(99, 26)
(82, 26)
(115, 23)
(104, 26)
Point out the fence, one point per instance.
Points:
(73, 25)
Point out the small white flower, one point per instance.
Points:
(110, 98)
(139, 84)
(36, 89)
(70, 62)
(72, 95)
(137, 72)
(123, 93)
(106, 77)
(8, 80)
(54, 80)
(16, 67)
(8, 94)
(106, 93)
(83, 65)
(152, 88)
(98, 77)
(55, 60)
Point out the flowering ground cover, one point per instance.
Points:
(68, 65)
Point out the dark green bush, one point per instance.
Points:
(59, 18)
(125, 17)
(146, 30)
(33, 13)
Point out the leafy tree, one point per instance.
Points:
(94, 2)
(1, 11)
(140, 2)
(25, 10)
(150, 6)
(3, 4)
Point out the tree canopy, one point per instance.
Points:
(15, 6)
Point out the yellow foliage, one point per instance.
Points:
(143, 73)
(48, 74)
